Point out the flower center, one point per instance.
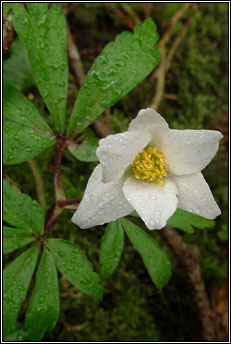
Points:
(149, 166)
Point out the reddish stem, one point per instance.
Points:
(120, 15)
(8, 41)
(8, 33)
(69, 202)
(51, 219)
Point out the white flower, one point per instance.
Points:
(152, 169)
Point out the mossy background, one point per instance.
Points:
(132, 308)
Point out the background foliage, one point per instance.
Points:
(195, 96)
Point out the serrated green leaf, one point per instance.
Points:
(38, 11)
(16, 279)
(43, 311)
(25, 132)
(44, 35)
(74, 265)
(16, 68)
(21, 22)
(154, 258)
(111, 248)
(86, 152)
(187, 221)
(119, 68)
(14, 238)
(21, 143)
(21, 110)
(21, 211)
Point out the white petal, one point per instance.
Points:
(195, 195)
(153, 202)
(116, 152)
(150, 121)
(101, 202)
(189, 151)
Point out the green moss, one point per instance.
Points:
(198, 75)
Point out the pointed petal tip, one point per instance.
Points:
(78, 222)
(195, 196)
(213, 213)
(74, 219)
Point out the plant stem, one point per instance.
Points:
(56, 210)
(68, 202)
(75, 59)
(51, 219)
(166, 58)
(121, 15)
(59, 191)
(131, 13)
(188, 256)
(8, 32)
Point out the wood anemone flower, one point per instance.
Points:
(151, 169)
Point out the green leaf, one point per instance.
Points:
(21, 211)
(16, 334)
(111, 248)
(86, 152)
(119, 68)
(44, 35)
(17, 276)
(16, 68)
(43, 311)
(38, 11)
(14, 238)
(74, 265)
(6, 8)
(154, 258)
(25, 132)
(134, 213)
(186, 221)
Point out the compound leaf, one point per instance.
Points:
(17, 276)
(187, 221)
(111, 248)
(25, 132)
(119, 68)
(74, 265)
(14, 238)
(43, 310)
(154, 258)
(44, 34)
(16, 68)
(86, 152)
(21, 211)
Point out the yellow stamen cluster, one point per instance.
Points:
(149, 166)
